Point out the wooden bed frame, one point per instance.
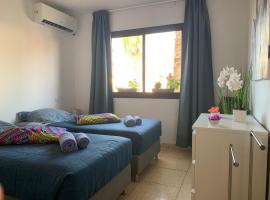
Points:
(112, 190)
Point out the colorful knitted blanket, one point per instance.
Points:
(48, 129)
(26, 136)
(102, 118)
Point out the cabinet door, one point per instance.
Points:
(259, 168)
(212, 165)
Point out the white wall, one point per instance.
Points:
(163, 14)
(83, 57)
(229, 24)
(261, 98)
(36, 67)
(230, 32)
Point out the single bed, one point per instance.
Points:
(145, 139)
(43, 172)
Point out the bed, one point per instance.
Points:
(145, 139)
(43, 172)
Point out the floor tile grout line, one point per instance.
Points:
(181, 185)
(136, 184)
(161, 184)
(180, 170)
(185, 173)
(155, 183)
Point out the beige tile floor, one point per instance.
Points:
(168, 178)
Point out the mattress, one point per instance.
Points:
(142, 137)
(43, 172)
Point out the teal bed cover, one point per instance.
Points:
(142, 136)
(43, 172)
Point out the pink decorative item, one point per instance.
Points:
(214, 119)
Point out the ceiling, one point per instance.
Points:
(82, 6)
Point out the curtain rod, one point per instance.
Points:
(143, 5)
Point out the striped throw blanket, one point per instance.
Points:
(26, 136)
(48, 129)
(102, 118)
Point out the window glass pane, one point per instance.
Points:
(163, 60)
(127, 63)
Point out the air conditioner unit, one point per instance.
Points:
(52, 17)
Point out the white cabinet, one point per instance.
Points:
(211, 157)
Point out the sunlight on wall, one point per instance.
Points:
(30, 62)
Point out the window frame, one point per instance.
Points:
(143, 32)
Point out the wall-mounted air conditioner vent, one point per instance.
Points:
(57, 25)
(49, 16)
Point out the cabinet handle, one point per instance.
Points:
(232, 156)
(257, 140)
(232, 163)
(253, 137)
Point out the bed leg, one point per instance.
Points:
(137, 178)
(156, 157)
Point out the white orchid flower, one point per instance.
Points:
(229, 77)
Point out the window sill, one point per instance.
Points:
(141, 95)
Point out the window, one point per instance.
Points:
(147, 62)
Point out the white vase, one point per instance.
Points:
(214, 122)
(239, 115)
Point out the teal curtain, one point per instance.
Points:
(101, 99)
(197, 90)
